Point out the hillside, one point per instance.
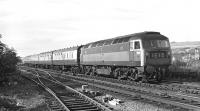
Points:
(193, 44)
(186, 51)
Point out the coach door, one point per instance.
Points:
(136, 53)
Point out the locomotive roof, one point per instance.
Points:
(140, 35)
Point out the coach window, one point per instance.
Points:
(137, 45)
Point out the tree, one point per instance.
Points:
(8, 60)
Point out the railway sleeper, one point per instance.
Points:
(84, 108)
(74, 100)
(66, 97)
(64, 94)
(76, 103)
(59, 110)
(90, 110)
(81, 105)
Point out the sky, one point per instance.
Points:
(35, 26)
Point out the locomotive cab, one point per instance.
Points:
(136, 52)
(153, 52)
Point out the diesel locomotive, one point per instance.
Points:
(143, 56)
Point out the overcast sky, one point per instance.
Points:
(34, 26)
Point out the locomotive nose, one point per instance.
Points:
(158, 58)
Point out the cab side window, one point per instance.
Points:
(137, 45)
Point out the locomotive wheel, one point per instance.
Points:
(92, 73)
(145, 79)
(137, 77)
(158, 76)
(116, 73)
(87, 71)
(73, 71)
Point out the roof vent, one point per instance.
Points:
(152, 32)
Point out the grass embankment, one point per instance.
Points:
(17, 93)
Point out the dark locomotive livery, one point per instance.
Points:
(142, 56)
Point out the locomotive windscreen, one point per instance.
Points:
(156, 44)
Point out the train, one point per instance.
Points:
(144, 56)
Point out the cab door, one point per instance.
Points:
(136, 53)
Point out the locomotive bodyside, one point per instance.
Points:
(119, 52)
(132, 56)
(111, 54)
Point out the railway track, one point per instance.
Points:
(144, 90)
(183, 91)
(175, 87)
(64, 97)
(183, 103)
(189, 90)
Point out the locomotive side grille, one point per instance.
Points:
(158, 54)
